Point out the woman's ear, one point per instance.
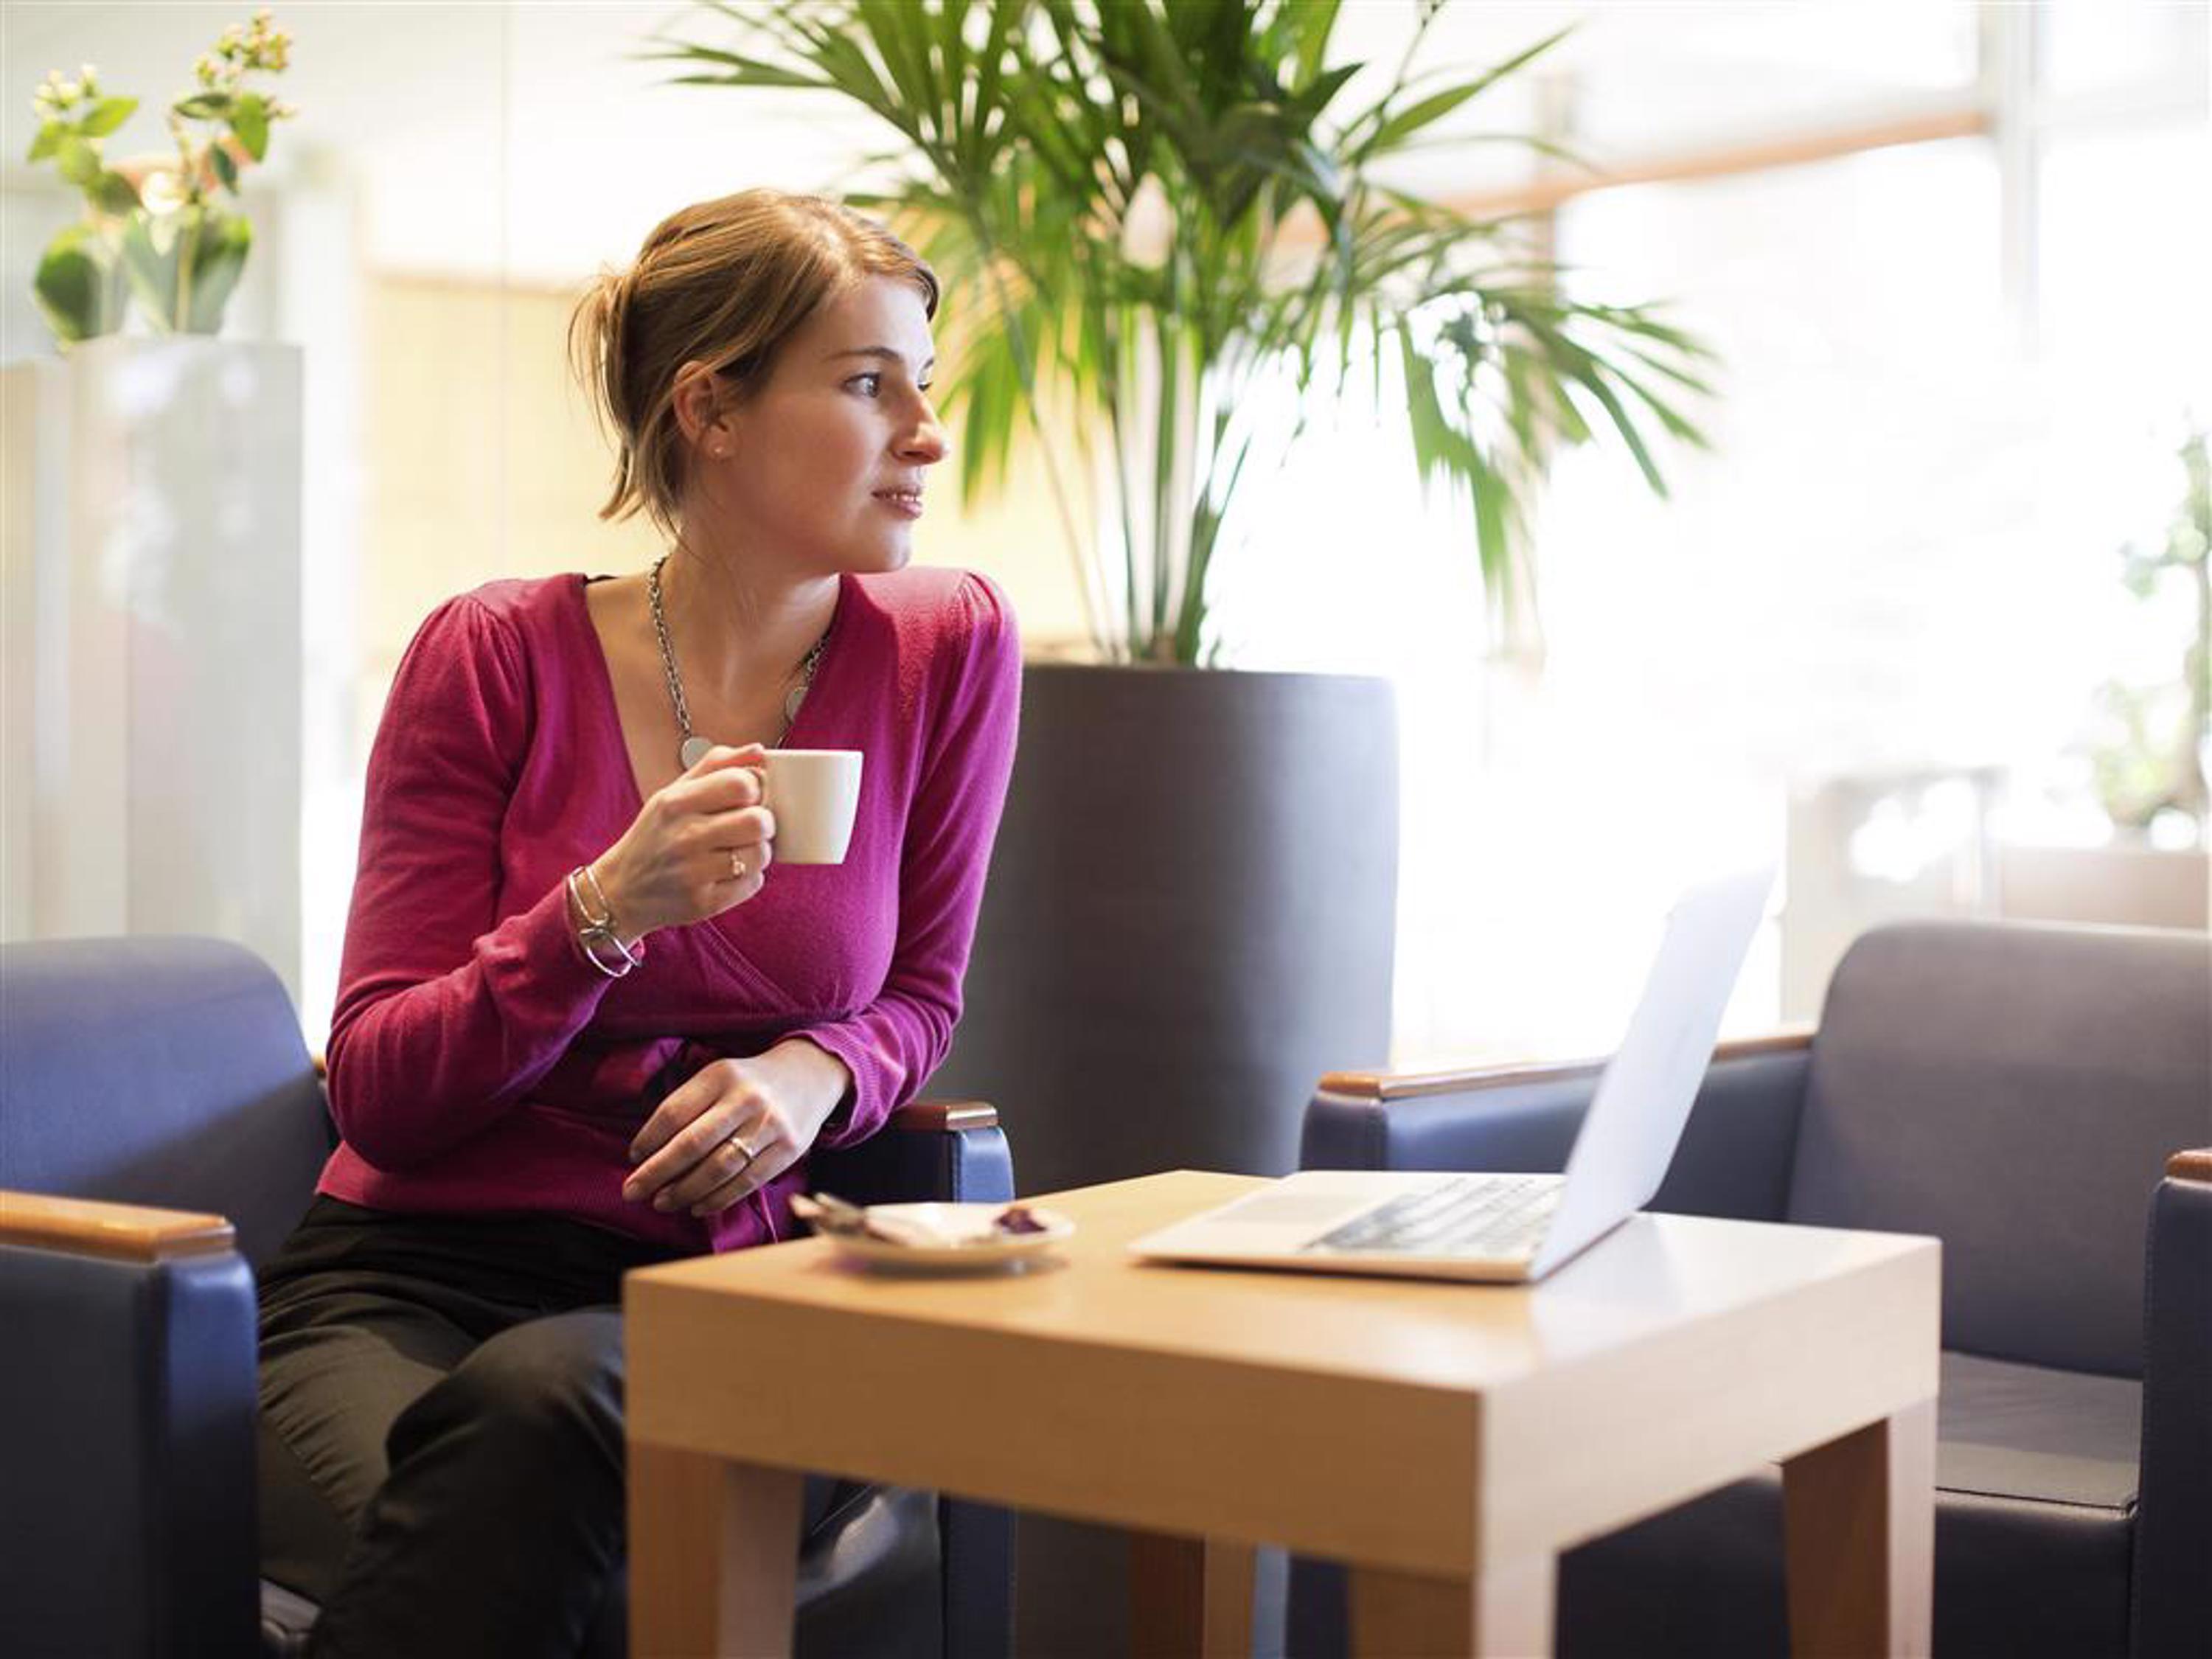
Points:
(698, 408)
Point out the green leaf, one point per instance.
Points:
(1676, 422)
(71, 286)
(1674, 372)
(1365, 133)
(900, 31)
(730, 69)
(1314, 97)
(218, 259)
(106, 116)
(1316, 22)
(225, 168)
(49, 139)
(249, 120)
(79, 161)
(1429, 110)
(113, 193)
(204, 105)
(152, 275)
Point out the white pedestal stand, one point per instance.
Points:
(152, 631)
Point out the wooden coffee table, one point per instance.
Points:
(1446, 1441)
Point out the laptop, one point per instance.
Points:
(1513, 1229)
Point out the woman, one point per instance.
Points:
(584, 1022)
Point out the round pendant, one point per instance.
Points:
(693, 751)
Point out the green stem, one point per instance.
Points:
(1167, 349)
(1119, 349)
(188, 247)
(118, 297)
(1207, 520)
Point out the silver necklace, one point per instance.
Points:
(693, 749)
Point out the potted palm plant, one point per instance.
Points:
(1152, 216)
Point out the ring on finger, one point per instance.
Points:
(736, 868)
(743, 1146)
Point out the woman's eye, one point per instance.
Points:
(870, 384)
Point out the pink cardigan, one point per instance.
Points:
(477, 1063)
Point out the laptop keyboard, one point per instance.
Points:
(1484, 1215)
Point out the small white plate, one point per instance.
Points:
(973, 1244)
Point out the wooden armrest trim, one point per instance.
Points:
(2194, 1164)
(1408, 1085)
(935, 1116)
(126, 1232)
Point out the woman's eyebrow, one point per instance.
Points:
(884, 353)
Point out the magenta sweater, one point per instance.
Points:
(478, 1063)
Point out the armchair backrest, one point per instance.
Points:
(2013, 1091)
(168, 1071)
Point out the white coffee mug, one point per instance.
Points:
(814, 793)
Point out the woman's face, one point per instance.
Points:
(823, 469)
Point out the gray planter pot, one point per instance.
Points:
(1190, 917)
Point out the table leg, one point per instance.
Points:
(1859, 1527)
(714, 1555)
(1502, 1613)
(1189, 1595)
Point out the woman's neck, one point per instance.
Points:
(734, 625)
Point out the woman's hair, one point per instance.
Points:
(725, 282)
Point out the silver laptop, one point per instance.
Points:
(1513, 1228)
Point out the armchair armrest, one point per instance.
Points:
(935, 1116)
(1736, 1154)
(127, 1232)
(2173, 1514)
(2193, 1164)
(952, 1152)
(128, 1414)
(1509, 1074)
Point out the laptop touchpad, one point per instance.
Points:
(1288, 1209)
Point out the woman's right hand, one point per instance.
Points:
(696, 848)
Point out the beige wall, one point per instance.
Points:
(484, 462)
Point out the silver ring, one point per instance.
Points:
(740, 1143)
(736, 868)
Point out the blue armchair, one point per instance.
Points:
(2017, 1092)
(140, 1073)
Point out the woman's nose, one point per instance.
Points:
(927, 442)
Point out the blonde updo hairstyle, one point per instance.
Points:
(727, 283)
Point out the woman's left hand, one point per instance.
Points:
(733, 1127)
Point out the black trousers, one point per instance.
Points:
(441, 1439)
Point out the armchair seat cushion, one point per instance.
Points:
(2035, 1474)
(2009, 1431)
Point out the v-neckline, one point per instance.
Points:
(610, 706)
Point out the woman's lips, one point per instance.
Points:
(905, 502)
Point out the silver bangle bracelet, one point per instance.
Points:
(606, 916)
(593, 941)
(596, 935)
